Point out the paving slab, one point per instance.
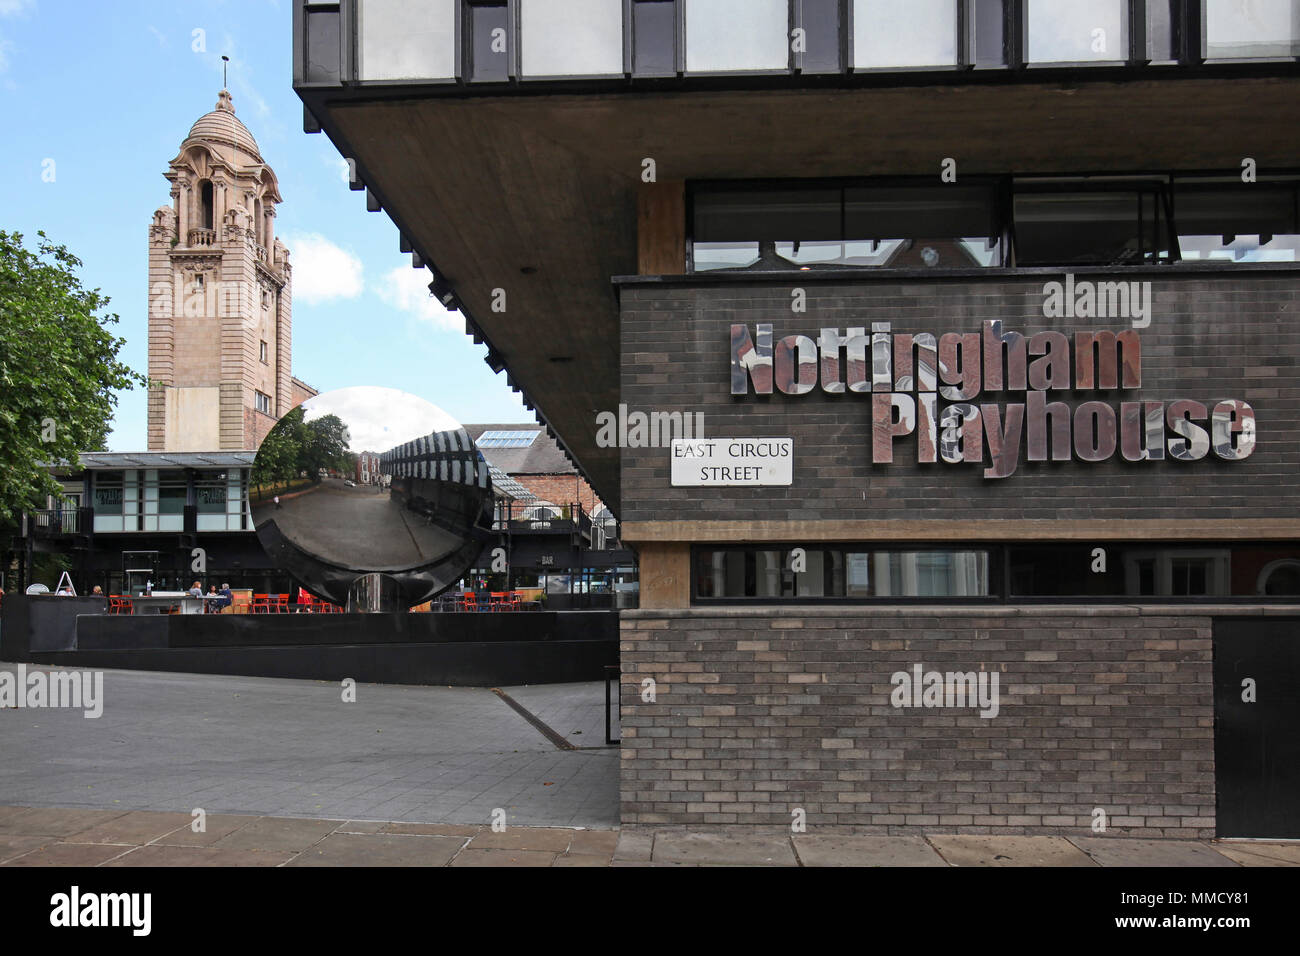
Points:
(833, 850)
(1125, 851)
(67, 854)
(278, 834)
(156, 855)
(1009, 851)
(600, 842)
(12, 846)
(1261, 854)
(740, 849)
(473, 857)
(380, 849)
(135, 828)
(634, 846)
(216, 827)
(57, 822)
(548, 839)
(582, 859)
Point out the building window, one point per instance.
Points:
(576, 38)
(1238, 222)
(322, 49)
(890, 35)
(400, 40)
(654, 37)
(1097, 226)
(507, 439)
(803, 227)
(986, 28)
(725, 36)
(1067, 31)
(820, 22)
(262, 402)
(766, 573)
(262, 352)
(1258, 29)
(487, 41)
(1162, 41)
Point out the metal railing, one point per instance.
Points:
(56, 521)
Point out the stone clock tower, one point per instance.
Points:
(219, 295)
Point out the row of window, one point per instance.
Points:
(477, 39)
(154, 500)
(865, 573)
(993, 223)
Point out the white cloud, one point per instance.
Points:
(322, 270)
(379, 418)
(407, 289)
(10, 8)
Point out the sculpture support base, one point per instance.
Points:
(374, 593)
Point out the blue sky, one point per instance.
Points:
(108, 90)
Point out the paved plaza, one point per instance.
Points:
(288, 774)
(247, 745)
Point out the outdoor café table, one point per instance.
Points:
(161, 603)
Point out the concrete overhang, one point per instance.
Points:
(537, 194)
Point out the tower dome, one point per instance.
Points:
(222, 126)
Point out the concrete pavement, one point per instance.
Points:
(94, 838)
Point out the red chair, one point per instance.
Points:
(280, 603)
(469, 601)
(120, 605)
(261, 604)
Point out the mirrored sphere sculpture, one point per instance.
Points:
(374, 499)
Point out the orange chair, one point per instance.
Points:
(280, 604)
(261, 604)
(469, 601)
(120, 605)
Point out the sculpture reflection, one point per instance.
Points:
(373, 498)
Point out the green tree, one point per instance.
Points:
(58, 369)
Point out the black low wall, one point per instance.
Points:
(270, 630)
(43, 623)
(503, 663)
(458, 649)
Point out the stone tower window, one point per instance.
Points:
(205, 198)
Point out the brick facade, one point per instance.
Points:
(561, 490)
(760, 711)
(1212, 337)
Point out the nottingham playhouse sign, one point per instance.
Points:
(907, 375)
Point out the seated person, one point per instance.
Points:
(227, 598)
(196, 590)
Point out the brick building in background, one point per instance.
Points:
(220, 296)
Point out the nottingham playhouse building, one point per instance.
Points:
(988, 313)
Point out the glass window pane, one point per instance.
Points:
(821, 26)
(1081, 227)
(884, 212)
(730, 35)
(571, 38)
(1160, 31)
(1071, 31)
(987, 26)
(400, 40)
(1242, 29)
(767, 214)
(322, 56)
(654, 38)
(1241, 223)
(489, 43)
(887, 33)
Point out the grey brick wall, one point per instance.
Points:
(1212, 337)
(760, 711)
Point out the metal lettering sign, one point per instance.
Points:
(933, 393)
(732, 462)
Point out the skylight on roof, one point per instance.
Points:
(507, 439)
